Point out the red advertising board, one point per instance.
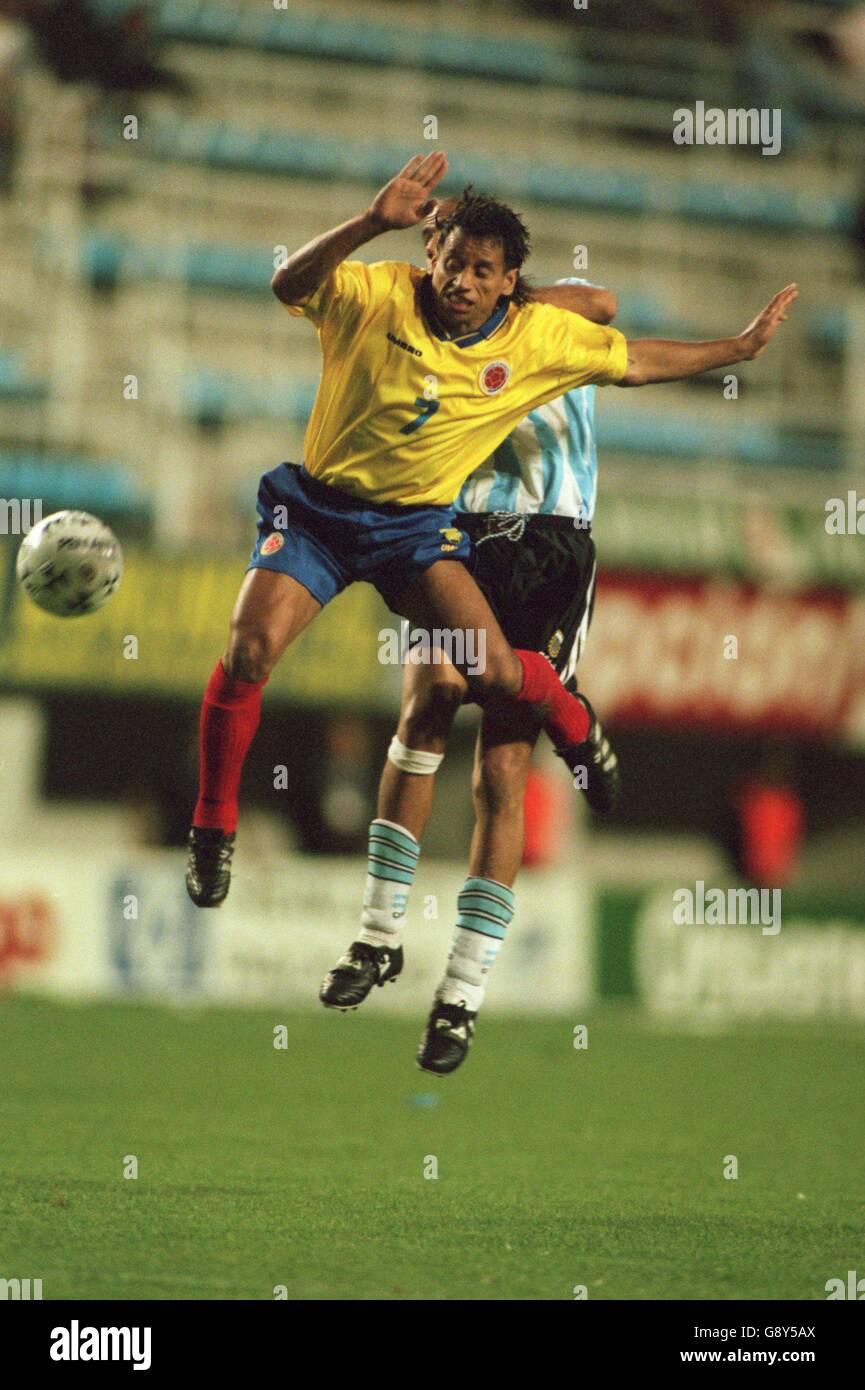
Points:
(26, 926)
(706, 653)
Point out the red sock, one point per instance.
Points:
(229, 718)
(566, 718)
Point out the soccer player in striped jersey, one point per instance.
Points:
(528, 511)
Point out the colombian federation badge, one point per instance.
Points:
(494, 377)
(273, 543)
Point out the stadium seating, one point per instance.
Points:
(224, 146)
(65, 481)
(214, 398)
(247, 271)
(16, 383)
(177, 246)
(597, 61)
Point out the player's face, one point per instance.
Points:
(468, 278)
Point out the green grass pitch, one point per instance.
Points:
(304, 1167)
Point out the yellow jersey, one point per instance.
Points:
(404, 414)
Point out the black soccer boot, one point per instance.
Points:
(355, 973)
(599, 760)
(446, 1038)
(208, 867)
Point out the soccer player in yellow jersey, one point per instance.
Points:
(423, 376)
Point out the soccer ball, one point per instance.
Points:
(70, 563)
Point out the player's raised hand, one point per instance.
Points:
(758, 333)
(407, 199)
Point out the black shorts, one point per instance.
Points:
(538, 575)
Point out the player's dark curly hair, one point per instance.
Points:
(479, 215)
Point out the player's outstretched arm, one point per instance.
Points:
(404, 202)
(657, 359)
(591, 301)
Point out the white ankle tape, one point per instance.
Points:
(412, 759)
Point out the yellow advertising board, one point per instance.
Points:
(162, 632)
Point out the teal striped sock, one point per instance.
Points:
(393, 856)
(485, 910)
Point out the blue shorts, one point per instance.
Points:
(326, 539)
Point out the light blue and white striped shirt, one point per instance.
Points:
(548, 463)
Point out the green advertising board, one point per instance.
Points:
(784, 956)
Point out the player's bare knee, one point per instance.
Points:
(428, 716)
(250, 655)
(500, 679)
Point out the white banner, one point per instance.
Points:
(97, 926)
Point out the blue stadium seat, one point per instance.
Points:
(248, 270)
(102, 257)
(214, 398)
(67, 481)
(641, 315)
(281, 152)
(828, 330)
(687, 435)
(228, 268)
(461, 52)
(16, 383)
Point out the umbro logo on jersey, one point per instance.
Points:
(406, 347)
(494, 377)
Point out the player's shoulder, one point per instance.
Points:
(372, 276)
(534, 316)
(395, 273)
(394, 283)
(550, 320)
